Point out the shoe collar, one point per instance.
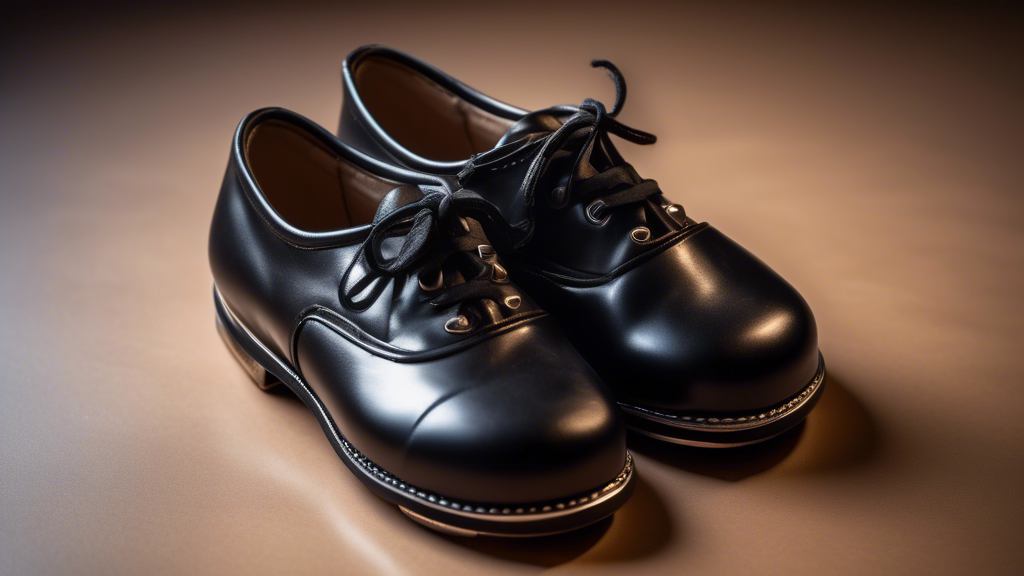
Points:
(288, 232)
(446, 82)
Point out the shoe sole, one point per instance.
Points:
(727, 431)
(443, 514)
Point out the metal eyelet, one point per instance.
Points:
(486, 252)
(593, 212)
(513, 302)
(640, 234)
(498, 273)
(489, 255)
(559, 197)
(675, 211)
(457, 325)
(433, 285)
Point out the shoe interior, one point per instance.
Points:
(421, 115)
(308, 184)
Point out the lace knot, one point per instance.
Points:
(433, 209)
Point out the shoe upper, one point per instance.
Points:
(673, 314)
(373, 283)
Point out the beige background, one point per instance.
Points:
(872, 156)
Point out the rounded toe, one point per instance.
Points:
(713, 330)
(552, 434)
(519, 417)
(764, 358)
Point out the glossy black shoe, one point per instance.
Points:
(700, 341)
(365, 291)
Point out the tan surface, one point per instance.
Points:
(873, 158)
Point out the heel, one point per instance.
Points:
(265, 380)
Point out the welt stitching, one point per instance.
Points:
(764, 416)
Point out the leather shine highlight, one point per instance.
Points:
(706, 327)
(450, 422)
(507, 413)
(685, 321)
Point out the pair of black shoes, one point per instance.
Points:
(486, 395)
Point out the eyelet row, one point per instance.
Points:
(460, 324)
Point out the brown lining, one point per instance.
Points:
(421, 115)
(307, 184)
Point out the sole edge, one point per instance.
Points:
(729, 431)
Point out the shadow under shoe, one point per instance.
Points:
(840, 433)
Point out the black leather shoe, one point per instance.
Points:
(363, 289)
(700, 341)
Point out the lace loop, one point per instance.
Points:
(620, 84)
(477, 271)
(592, 114)
(433, 209)
(618, 185)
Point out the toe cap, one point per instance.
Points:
(517, 418)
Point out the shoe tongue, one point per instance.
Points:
(539, 123)
(401, 196)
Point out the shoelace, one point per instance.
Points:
(628, 186)
(484, 277)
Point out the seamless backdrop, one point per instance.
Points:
(871, 155)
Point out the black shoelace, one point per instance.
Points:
(436, 239)
(616, 186)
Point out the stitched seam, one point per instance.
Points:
(372, 345)
(341, 190)
(375, 346)
(656, 248)
(479, 508)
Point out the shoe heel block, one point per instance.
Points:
(226, 327)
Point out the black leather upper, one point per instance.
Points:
(506, 412)
(674, 316)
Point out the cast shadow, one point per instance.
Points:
(282, 391)
(838, 433)
(841, 433)
(639, 529)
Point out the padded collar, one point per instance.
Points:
(287, 232)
